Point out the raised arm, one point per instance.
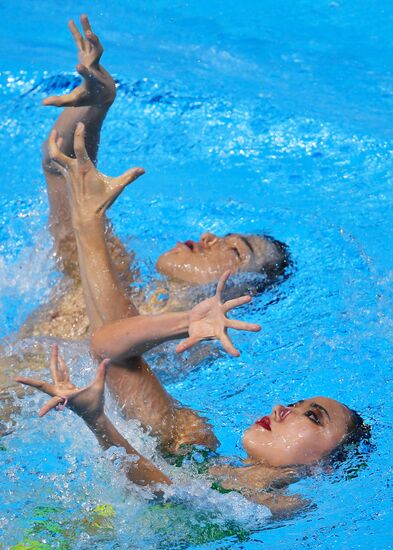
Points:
(90, 193)
(88, 103)
(135, 387)
(88, 403)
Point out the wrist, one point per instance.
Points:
(97, 423)
(180, 323)
(86, 223)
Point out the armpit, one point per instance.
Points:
(192, 429)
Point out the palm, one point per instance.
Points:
(91, 192)
(87, 402)
(208, 320)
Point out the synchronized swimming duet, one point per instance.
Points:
(279, 444)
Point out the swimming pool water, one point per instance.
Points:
(251, 117)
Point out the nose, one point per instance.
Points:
(280, 412)
(208, 239)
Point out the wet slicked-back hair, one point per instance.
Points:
(280, 259)
(276, 269)
(357, 442)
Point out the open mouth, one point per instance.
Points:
(189, 244)
(264, 422)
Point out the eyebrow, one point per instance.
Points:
(244, 239)
(247, 243)
(317, 406)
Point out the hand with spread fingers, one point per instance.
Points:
(90, 192)
(87, 403)
(208, 320)
(98, 87)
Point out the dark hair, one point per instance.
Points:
(353, 450)
(280, 260)
(276, 269)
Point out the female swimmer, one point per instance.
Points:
(276, 445)
(292, 435)
(187, 264)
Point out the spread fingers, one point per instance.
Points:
(230, 304)
(242, 325)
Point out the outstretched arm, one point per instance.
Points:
(88, 403)
(88, 103)
(135, 387)
(128, 338)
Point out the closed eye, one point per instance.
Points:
(236, 251)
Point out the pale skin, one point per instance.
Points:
(122, 338)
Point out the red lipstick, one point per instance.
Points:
(264, 422)
(190, 244)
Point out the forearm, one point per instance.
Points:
(92, 117)
(139, 470)
(59, 210)
(106, 299)
(134, 336)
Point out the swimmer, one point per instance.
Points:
(277, 445)
(186, 265)
(291, 436)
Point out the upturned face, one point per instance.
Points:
(203, 261)
(302, 433)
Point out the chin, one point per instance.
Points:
(184, 273)
(249, 445)
(163, 266)
(176, 273)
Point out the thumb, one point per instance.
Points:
(51, 404)
(186, 344)
(99, 380)
(129, 176)
(83, 71)
(55, 100)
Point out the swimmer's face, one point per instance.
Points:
(203, 261)
(302, 433)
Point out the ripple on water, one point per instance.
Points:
(220, 163)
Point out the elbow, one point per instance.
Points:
(97, 347)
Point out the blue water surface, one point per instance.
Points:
(271, 117)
